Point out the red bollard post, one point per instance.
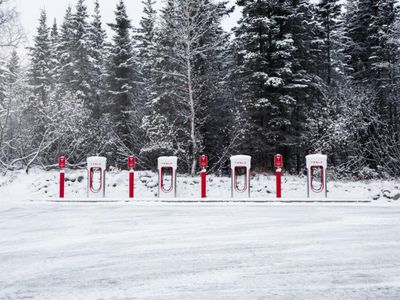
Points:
(203, 172)
(278, 162)
(278, 183)
(131, 167)
(203, 184)
(61, 165)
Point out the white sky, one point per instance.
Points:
(30, 10)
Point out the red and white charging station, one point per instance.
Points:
(317, 175)
(278, 163)
(96, 183)
(131, 169)
(62, 163)
(240, 176)
(167, 166)
(203, 175)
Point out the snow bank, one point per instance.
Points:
(44, 185)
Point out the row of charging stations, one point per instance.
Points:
(167, 166)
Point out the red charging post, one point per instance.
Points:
(203, 174)
(131, 167)
(62, 164)
(278, 162)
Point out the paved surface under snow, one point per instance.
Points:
(199, 251)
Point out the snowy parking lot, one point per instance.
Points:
(199, 251)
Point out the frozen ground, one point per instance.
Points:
(192, 251)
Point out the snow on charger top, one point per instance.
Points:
(241, 160)
(97, 161)
(168, 161)
(316, 159)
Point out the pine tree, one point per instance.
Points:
(54, 53)
(121, 75)
(384, 58)
(307, 87)
(266, 49)
(147, 50)
(360, 16)
(154, 125)
(81, 59)
(329, 12)
(97, 38)
(40, 70)
(9, 75)
(372, 55)
(159, 121)
(65, 53)
(14, 66)
(215, 110)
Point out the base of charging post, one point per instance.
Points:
(203, 184)
(62, 184)
(131, 184)
(278, 175)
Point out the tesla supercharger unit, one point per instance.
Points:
(96, 183)
(167, 166)
(240, 176)
(62, 162)
(316, 175)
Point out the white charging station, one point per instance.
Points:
(167, 166)
(317, 175)
(240, 176)
(96, 179)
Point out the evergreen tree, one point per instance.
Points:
(307, 87)
(9, 75)
(81, 59)
(40, 69)
(121, 77)
(14, 66)
(160, 114)
(360, 16)
(384, 59)
(54, 53)
(154, 125)
(265, 48)
(147, 50)
(215, 109)
(329, 12)
(65, 50)
(97, 38)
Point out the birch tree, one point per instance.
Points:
(192, 22)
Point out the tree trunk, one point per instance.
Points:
(192, 110)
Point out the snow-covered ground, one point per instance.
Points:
(190, 251)
(40, 185)
(150, 250)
